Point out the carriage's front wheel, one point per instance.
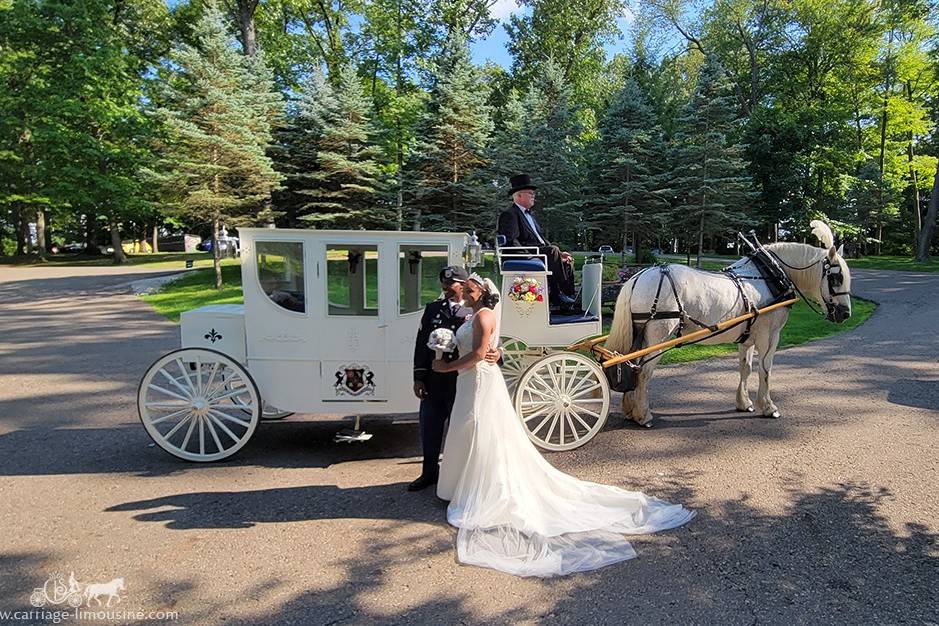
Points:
(199, 404)
(563, 401)
(517, 356)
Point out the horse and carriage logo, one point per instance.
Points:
(57, 590)
(354, 380)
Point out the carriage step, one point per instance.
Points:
(348, 435)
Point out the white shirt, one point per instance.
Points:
(531, 221)
(454, 305)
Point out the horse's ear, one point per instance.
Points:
(832, 251)
(841, 250)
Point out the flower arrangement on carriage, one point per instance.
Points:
(525, 292)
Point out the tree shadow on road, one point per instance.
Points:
(830, 555)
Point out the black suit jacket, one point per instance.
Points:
(437, 314)
(517, 231)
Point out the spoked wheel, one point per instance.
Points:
(199, 404)
(269, 412)
(563, 401)
(516, 358)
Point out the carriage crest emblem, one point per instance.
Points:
(355, 380)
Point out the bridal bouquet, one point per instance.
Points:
(441, 340)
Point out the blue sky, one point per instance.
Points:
(493, 47)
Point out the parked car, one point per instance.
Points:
(606, 250)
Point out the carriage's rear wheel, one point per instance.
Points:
(563, 400)
(517, 357)
(199, 404)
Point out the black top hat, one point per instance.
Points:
(520, 182)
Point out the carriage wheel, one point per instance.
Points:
(516, 358)
(563, 400)
(199, 404)
(269, 412)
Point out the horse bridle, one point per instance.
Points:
(835, 280)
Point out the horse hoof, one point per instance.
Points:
(749, 409)
(646, 424)
(774, 414)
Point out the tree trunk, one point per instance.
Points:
(700, 240)
(155, 247)
(216, 256)
(41, 234)
(91, 234)
(22, 232)
(119, 256)
(245, 10)
(929, 224)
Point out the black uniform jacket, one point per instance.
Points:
(517, 231)
(437, 314)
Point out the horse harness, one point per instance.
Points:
(768, 270)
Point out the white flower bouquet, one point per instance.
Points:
(441, 340)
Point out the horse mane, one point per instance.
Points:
(801, 255)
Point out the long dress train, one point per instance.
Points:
(515, 511)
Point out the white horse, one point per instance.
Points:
(820, 274)
(95, 591)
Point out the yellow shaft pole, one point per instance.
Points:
(704, 332)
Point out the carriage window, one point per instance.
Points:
(280, 272)
(418, 274)
(352, 279)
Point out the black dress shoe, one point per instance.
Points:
(422, 483)
(566, 300)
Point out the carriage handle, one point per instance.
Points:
(704, 332)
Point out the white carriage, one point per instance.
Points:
(328, 326)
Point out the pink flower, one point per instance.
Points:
(532, 289)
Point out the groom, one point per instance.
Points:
(436, 391)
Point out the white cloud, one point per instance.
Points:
(502, 9)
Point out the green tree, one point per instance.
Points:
(220, 107)
(708, 170)
(75, 136)
(572, 35)
(336, 177)
(446, 186)
(628, 183)
(551, 152)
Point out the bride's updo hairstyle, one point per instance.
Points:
(490, 296)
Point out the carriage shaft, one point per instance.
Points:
(698, 334)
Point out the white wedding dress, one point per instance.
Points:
(515, 511)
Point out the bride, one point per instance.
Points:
(515, 512)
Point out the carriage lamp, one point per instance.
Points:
(474, 251)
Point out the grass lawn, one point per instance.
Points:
(195, 290)
(899, 263)
(167, 260)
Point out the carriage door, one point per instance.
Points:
(353, 341)
(418, 267)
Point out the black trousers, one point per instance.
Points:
(562, 274)
(434, 413)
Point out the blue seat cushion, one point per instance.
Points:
(566, 318)
(523, 265)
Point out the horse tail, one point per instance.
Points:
(620, 338)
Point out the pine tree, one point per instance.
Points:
(347, 180)
(297, 144)
(220, 108)
(550, 153)
(713, 188)
(628, 180)
(447, 186)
